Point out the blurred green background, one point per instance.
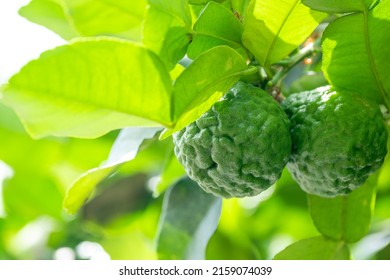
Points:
(121, 220)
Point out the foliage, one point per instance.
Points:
(102, 109)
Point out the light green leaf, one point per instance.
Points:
(316, 248)
(81, 190)
(364, 67)
(337, 6)
(240, 7)
(124, 149)
(120, 18)
(204, 82)
(89, 88)
(83, 18)
(188, 220)
(199, 2)
(167, 29)
(50, 14)
(176, 72)
(272, 31)
(345, 218)
(28, 196)
(216, 26)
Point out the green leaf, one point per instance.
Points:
(216, 26)
(308, 81)
(316, 248)
(204, 82)
(120, 18)
(83, 18)
(188, 220)
(171, 172)
(240, 7)
(50, 14)
(362, 68)
(200, 2)
(89, 88)
(28, 196)
(176, 72)
(167, 29)
(271, 31)
(345, 218)
(124, 149)
(337, 6)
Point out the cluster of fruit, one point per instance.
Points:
(330, 140)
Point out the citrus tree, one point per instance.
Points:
(192, 129)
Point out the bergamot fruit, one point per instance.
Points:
(239, 147)
(339, 139)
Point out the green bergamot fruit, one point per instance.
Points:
(339, 139)
(239, 147)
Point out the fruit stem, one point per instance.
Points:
(286, 65)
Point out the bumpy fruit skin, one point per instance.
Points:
(239, 147)
(339, 139)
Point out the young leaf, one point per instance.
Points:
(216, 26)
(89, 88)
(82, 18)
(337, 6)
(188, 220)
(345, 218)
(273, 31)
(364, 67)
(316, 248)
(167, 29)
(50, 14)
(125, 148)
(204, 82)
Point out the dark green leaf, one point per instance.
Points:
(167, 29)
(89, 88)
(189, 218)
(124, 149)
(316, 248)
(337, 6)
(216, 26)
(345, 218)
(272, 31)
(362, 68)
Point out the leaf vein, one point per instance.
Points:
(373, 65)
(273, 42)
